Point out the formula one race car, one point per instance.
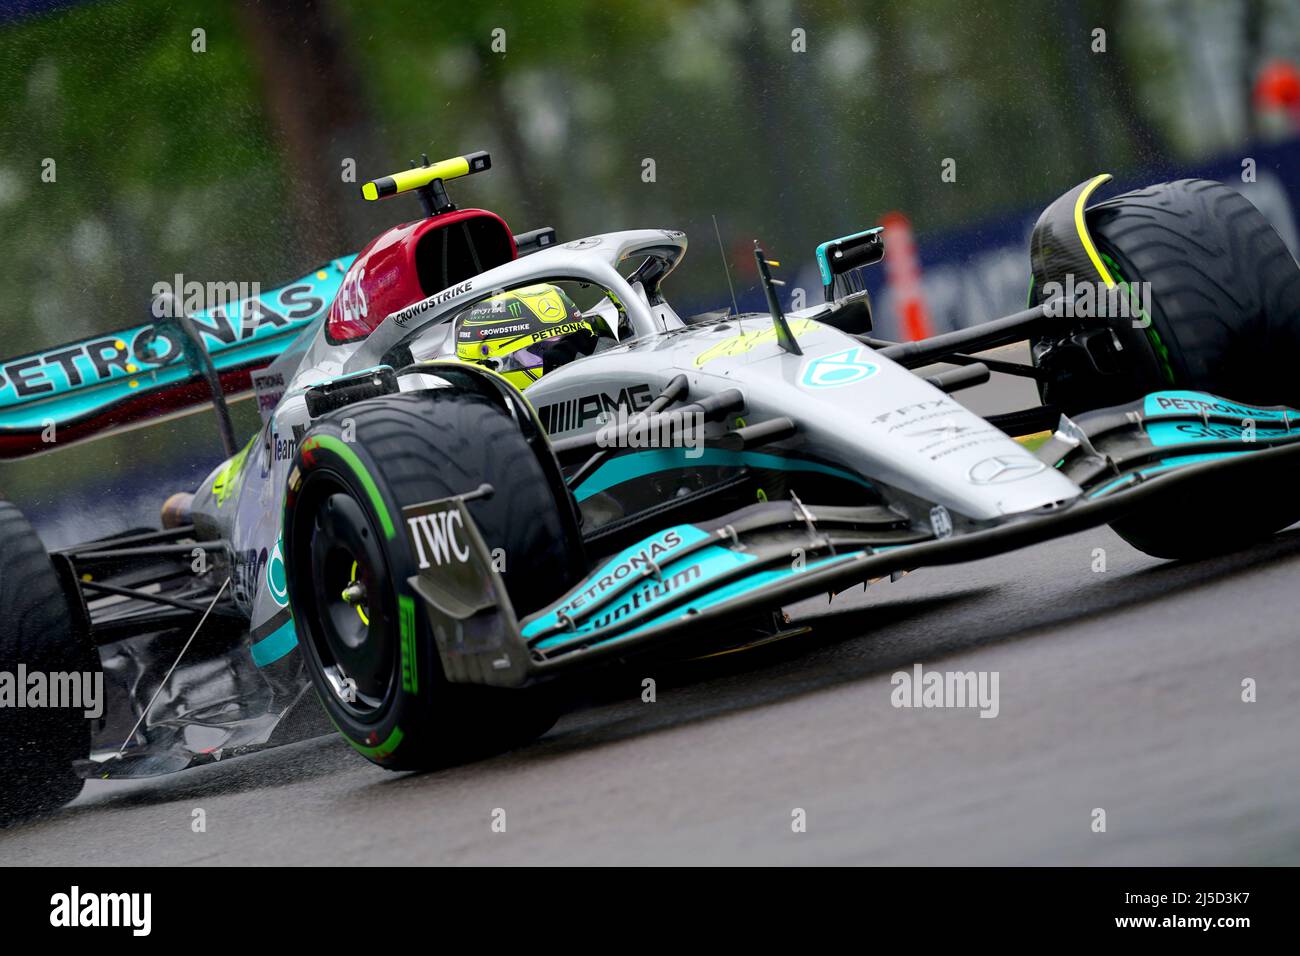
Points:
(491, 461)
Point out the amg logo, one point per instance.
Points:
(577, 412)
(438, 536)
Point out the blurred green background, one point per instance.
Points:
(226, 165)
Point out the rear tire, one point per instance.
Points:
(37, 746)
(413, 448)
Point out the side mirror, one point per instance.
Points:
(526, 243)
(839, 257)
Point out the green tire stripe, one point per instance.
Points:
(341, 449)
(406, 611)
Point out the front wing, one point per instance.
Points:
(697, 581)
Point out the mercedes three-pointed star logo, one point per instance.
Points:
(1001, 469)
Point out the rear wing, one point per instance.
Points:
(123, 379)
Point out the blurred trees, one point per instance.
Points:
(316, 108)
(226, 164)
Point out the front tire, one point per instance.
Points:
(1225, 303)
(375, 664)
(1225, 319)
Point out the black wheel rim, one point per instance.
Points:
(350, 631)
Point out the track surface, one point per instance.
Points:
(1119, 689)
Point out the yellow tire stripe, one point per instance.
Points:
(1083, 228)
(360, 610)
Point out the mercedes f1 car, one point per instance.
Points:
(489, 462)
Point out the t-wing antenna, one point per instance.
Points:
(428, 181)
(784, 337)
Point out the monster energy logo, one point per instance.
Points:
(515, 308)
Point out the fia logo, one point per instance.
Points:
(842, 368)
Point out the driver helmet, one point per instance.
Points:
(524, 333)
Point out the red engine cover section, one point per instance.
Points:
(413, 261)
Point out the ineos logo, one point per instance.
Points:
(352, 296)
(438, 536)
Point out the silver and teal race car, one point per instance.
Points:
(491, 462)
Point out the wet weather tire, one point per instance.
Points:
(1225, 290)
(1225, 302)
(1225, 319)
(37, 745)
(355, 472)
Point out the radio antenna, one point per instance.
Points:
(726, 268)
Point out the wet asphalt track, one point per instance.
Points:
(1118, 689)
